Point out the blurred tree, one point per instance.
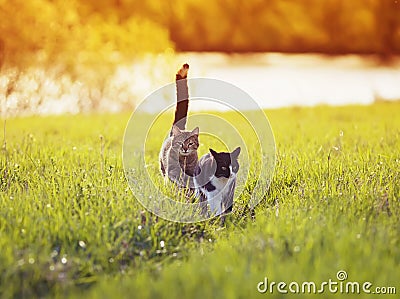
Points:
(387, 24)
(101, 33)
(74, 34)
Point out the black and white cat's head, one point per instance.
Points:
(185, 142)
(227, 164)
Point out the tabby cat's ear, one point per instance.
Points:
(175, 130)
(214, 153)
(195, 131)
(235, 153)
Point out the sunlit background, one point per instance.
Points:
(106, 55)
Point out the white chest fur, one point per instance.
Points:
(216, 198)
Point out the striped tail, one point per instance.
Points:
(182, 97)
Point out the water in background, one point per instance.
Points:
(280, 80)
(272, 79)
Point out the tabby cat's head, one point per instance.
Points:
(185, 142)
(227, 163)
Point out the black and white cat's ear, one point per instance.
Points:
(235, 153)
(214, 153)
(175, 130)
(195, 131)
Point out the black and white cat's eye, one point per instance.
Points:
(223, 168)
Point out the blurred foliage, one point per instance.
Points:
(74, 34)
(73, 47)
(68, 51)
(331, 26)
(98, 32)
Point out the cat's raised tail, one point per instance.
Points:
(182, 97)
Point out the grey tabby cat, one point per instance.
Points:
(178, 156)
(215, 180)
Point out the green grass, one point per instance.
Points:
(69, 225)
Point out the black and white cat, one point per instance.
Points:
(215, 180)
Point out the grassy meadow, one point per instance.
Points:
(70, 227)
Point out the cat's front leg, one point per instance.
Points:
(227, 199)
(202, 201)
(215, 205)
(173, 174)
(178, 177)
